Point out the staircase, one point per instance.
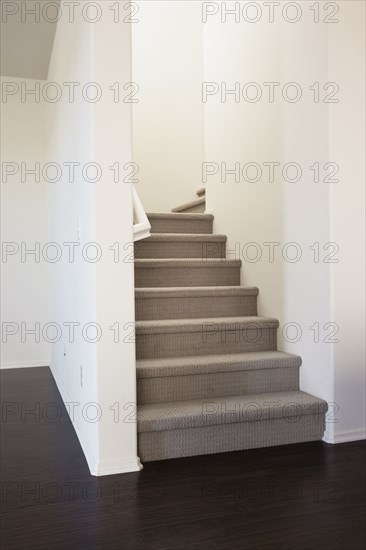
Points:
(209, 376)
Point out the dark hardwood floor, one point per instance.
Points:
(307, 496)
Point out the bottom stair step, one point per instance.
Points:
(188, 428)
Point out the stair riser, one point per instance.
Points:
(163, 225)
(187, 276)
(210, 340)
(230, 437)
(206, 386)
(197, 209)
(148, 309)
(178, 249)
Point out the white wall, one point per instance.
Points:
(305, 214)
(307, 293)
(168, 119)
(347, 219)
(243, 132)
(24, 289)
(73, 284)
(115, 288)
(103, 292)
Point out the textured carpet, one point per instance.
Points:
(209, 376)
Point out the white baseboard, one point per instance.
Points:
(118, 467)
(344, 437)
(24, 364)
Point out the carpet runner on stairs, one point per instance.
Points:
(209, 376)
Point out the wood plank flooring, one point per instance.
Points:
(302, 497)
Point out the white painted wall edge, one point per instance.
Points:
(25, 364)
(344, 437)
(97, 468)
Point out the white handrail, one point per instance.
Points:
(141, 225)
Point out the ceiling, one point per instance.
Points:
(26, 44)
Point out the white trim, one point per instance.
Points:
(24, 364)
(118, 467)
(344, 437)
(141, 226)
(141, 231)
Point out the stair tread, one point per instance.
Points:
(191, 204)
(195, 291)
(227, 410)
(208, 364)
(186, 237)
(195, 325)
(191, 262)
(180, 215)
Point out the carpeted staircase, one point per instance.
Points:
(209, 376)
